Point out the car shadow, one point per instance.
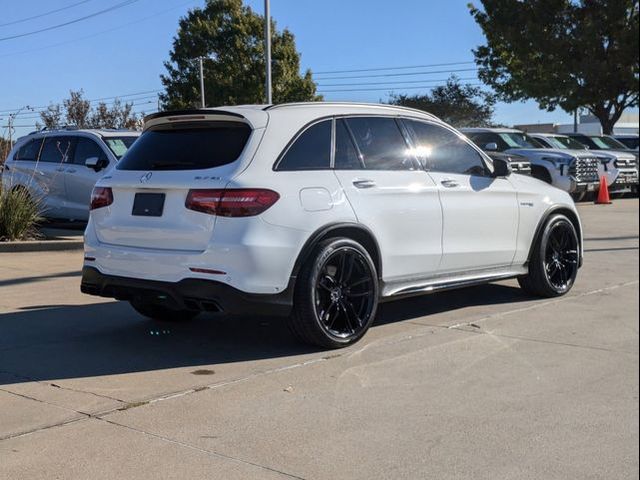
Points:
(49, 342)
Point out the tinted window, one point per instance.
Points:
(311, 150)
(87, 148)
(187, 147)
(119, 145)
(441, 150)
(346, 154)
(483, 139)
(381, 144)
(56, 149)
(630, 142)
(29, 151)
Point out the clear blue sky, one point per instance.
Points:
(122, 52)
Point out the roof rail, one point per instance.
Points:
(356, 104)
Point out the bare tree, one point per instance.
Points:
(51, 116)
(77, 108)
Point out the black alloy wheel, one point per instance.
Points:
(561, 256)
(336, 295)
(555, 259)
(344, 293)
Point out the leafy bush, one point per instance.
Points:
(19, 214)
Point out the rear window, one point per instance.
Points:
(187, 147)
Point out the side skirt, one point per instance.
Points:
(396, 290)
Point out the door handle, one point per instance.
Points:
(364, 183)
(449, 183)
(71, 170)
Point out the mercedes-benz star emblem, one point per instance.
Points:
(146, 177)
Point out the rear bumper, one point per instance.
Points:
(190, 293)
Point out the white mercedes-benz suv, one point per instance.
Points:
(317, 211)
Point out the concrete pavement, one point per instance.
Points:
(478, 383)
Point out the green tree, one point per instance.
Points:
(231, 38)
(562, 53)
(455, 103)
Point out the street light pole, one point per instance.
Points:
(200, 59)
(267, 39)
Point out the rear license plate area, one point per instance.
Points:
(148, 204)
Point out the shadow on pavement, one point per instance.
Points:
(56, 342)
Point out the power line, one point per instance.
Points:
(134, 102)
(119, 97)
(390, 88)
(26, 19)
(406, 67)
(70, 22)
(389, 83)
(400, 74)
(76, 40)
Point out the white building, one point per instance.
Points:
(587, 124)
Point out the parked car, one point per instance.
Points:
(317, 211)
(629, 140)
(518, 163)
(620, 170)
(574, 171)
(60, 167)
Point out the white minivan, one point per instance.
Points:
(59, 168)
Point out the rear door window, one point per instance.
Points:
(310, 151)
(381, 144)
(187, 147)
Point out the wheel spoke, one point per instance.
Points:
(349, 308)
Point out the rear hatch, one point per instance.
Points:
(151, 183)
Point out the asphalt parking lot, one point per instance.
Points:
(483, 383)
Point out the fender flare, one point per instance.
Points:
(326, 231)
(573, 218)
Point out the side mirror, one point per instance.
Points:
(501, 167)
(96, 163)
(492, 147)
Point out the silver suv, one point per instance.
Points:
(59, 168)
(574, 171)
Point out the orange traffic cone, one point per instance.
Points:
(603, 193)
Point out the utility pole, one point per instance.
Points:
(200, 59)
(267, 41)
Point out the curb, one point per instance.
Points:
(41, 246)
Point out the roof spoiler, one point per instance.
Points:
(202, 114)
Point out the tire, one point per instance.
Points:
(161, 313)
(553, 266)
(541, 173)
(578, 196)
(336, 295)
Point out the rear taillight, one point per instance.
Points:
(101, 197)
(245, 202)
